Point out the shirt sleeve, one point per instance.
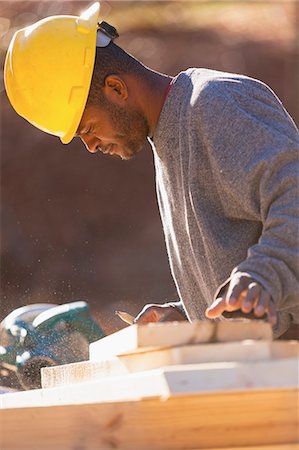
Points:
(254, 148)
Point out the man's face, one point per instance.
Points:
(113, 130)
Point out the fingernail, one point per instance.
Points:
(247, 305)
(232, 301)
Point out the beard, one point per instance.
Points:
(131, 126)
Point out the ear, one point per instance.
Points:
(116, 89)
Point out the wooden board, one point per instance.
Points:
(171, 334)
(259, 447)
(203, 421)
(191, 354)
(166, 382)
(81, 371)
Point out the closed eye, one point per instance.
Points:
(80, 132)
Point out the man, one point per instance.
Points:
(226, 159)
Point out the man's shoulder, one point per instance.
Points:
(209, 82)
(217, 89)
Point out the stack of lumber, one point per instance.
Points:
(205, 385)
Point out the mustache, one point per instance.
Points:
(105, 149)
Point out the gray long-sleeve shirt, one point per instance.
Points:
(227, 168)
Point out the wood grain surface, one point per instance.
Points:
(192, 354)
(203, 421)
(136, 338)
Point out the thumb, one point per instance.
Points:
(217, 308)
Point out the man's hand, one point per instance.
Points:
(158, 313)
(247, 295)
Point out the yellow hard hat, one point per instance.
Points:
(48, 71)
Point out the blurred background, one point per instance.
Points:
(76, 226)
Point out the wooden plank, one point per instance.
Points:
(166, 382)
(259, 447)
(224, 420)
(192, 354)
(171, 334)
(81, 371)
(285, 349)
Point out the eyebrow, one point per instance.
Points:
(79, 131)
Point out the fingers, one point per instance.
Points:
(262, 304)
(251, 297)
(236, 287)
(217, 308)
(271, 312)
(247, 295)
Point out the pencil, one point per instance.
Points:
(125, 317)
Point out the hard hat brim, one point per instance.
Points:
(92, 16)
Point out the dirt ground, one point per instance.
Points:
(79, 226)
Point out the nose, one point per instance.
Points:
(91, 143)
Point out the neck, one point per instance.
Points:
(153, 97)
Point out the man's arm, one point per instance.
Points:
(254, 145)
